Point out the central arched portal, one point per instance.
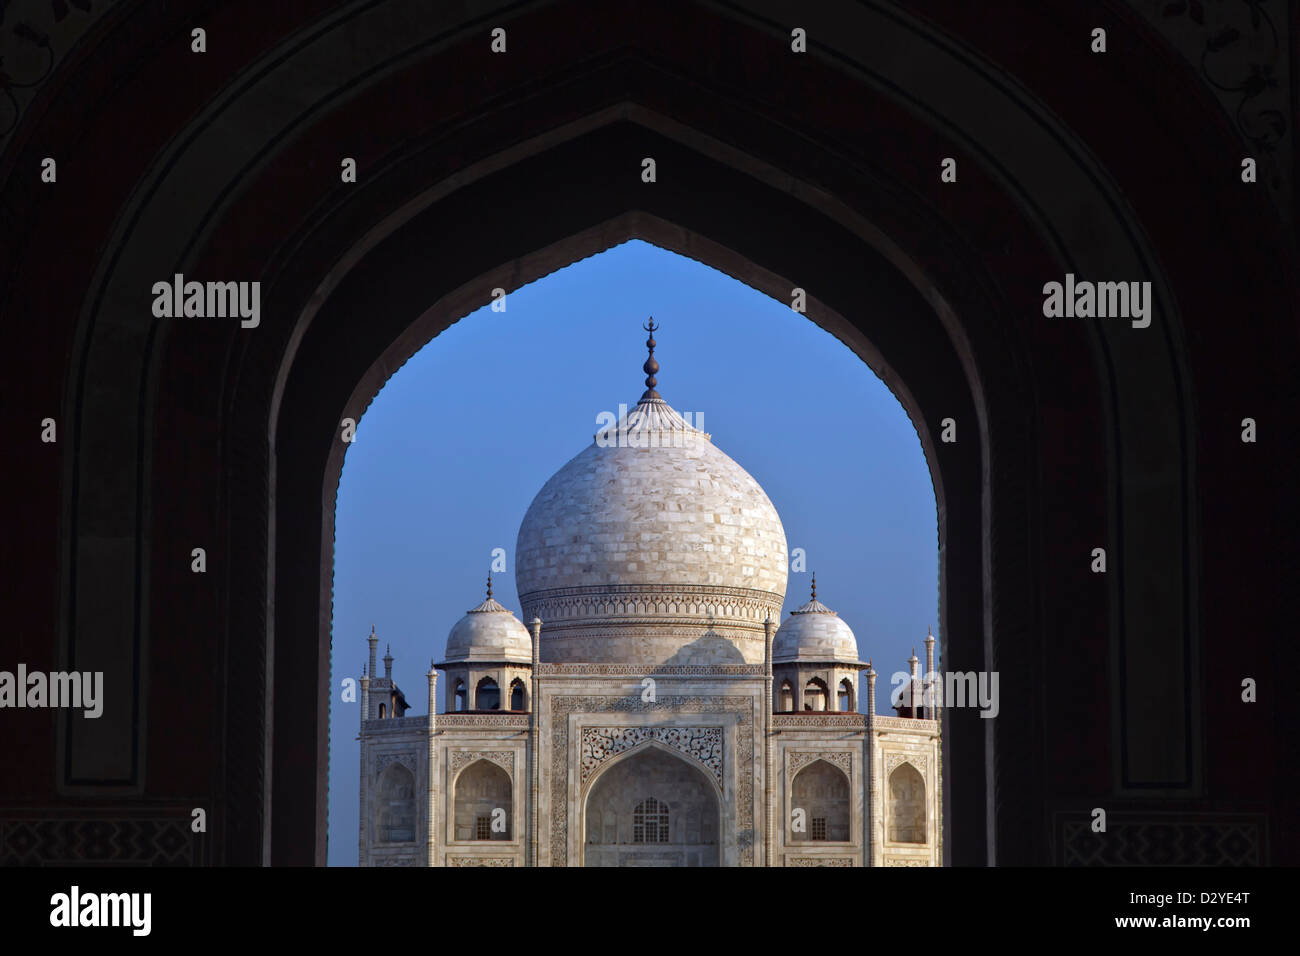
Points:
(651, 808)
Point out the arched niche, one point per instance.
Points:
(482, 805)
(907, 809)
(821, 792)
(395, 813)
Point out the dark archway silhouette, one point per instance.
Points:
(817, 173)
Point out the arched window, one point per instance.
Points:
(517, 697)
(458, 696)
(815, 695)
(395, 806)
(650, 822)
(906, 805)
(381, 711)
(846, 696)
(488, 695)
(787, 697)
(483, 802)
(821, 791)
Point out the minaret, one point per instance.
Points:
(535, 731)
(431, 811)
(769, 827)
(871, 691)
(363, 832)
(929, 674)
(873, 790)
(388, 662)
(374, 644)
(911, 684)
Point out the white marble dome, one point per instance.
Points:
(489, 633)
(814, 634)
(651, 546)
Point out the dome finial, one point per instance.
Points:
(651, 366)
(489, 585)
(814, 586)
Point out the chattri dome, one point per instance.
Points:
(814, 634)
(489, 633)
(651, 546)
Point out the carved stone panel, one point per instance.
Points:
(819, 861)
(920, 761)
(505, 759)
(407, 759)
(480, 861)
(798, 759)
(703, 744)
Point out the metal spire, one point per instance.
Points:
(651, 366)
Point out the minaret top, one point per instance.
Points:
(651, 366)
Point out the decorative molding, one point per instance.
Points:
(1239, 49)
(393, 861)
(650, 670)
(505, 759)
(563, 706)
(77, 841)
(905, 861)
(702, 744)
(819, 861)
(482, 721)
(390, 725)
(33, 42)
(798, 759)
(907, 723)
(810, 721)
(1154, 839)
(480, 861)
(699, 598)
(406, 758)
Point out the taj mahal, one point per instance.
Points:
(648, 706)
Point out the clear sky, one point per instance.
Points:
(454, 447)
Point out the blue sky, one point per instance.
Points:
(454, 447)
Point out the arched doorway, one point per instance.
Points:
(651, 808)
